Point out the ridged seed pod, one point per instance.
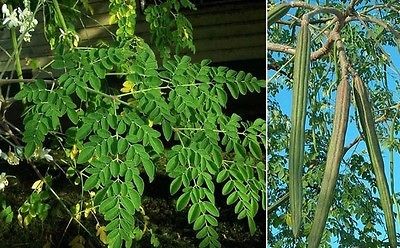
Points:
(299, 105)
(334, 157)
(277, 12)
(368, 126)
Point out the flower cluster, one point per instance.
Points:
(10, 19)
(42, 153)
(3, 181)
(25, 19)
(70, 35)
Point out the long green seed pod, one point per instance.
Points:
(371, 139)
(299, 105)
(277, 12)
(334, 157)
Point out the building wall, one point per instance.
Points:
(222, 32)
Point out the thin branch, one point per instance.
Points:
(339, 20)
(280, 48)
(353, 143)
(395, 106)
(115, 98)
(302, 5)
(279, 202)
(325, 10)
(57, 197)
(312, 22)
(275, 66)
(351, 6)
(13, 81)
(375, 21)
(373, 7)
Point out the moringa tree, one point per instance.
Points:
(327, 158)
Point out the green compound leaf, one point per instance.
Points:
(167, 130)
(157, 145)
(149, 168)
(211, 208)
(255, 149)
(194, 213)
(29, 149)
(128, 204)
(252, 225)
(118, 140)
(85, 154)
(95, 82)
(91, 182)
(175, 185)
(182, 201)
(233, 89)
(199, 223)
(83, 131)
(108, 204)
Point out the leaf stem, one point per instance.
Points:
(115, 98)
(16, 55)
(60, 15)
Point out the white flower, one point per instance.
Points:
(28, 23)
(27, 37)
(12, 158)
(12, 19)
(38, 185)
(5, 11)
(63, 34)
(3, 181)
(70, 34)
(44, 153)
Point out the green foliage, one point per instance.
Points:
(34, 206)
(115, 136)
(6, 213)
(169, 28)
(124, 14)
(60, 28)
